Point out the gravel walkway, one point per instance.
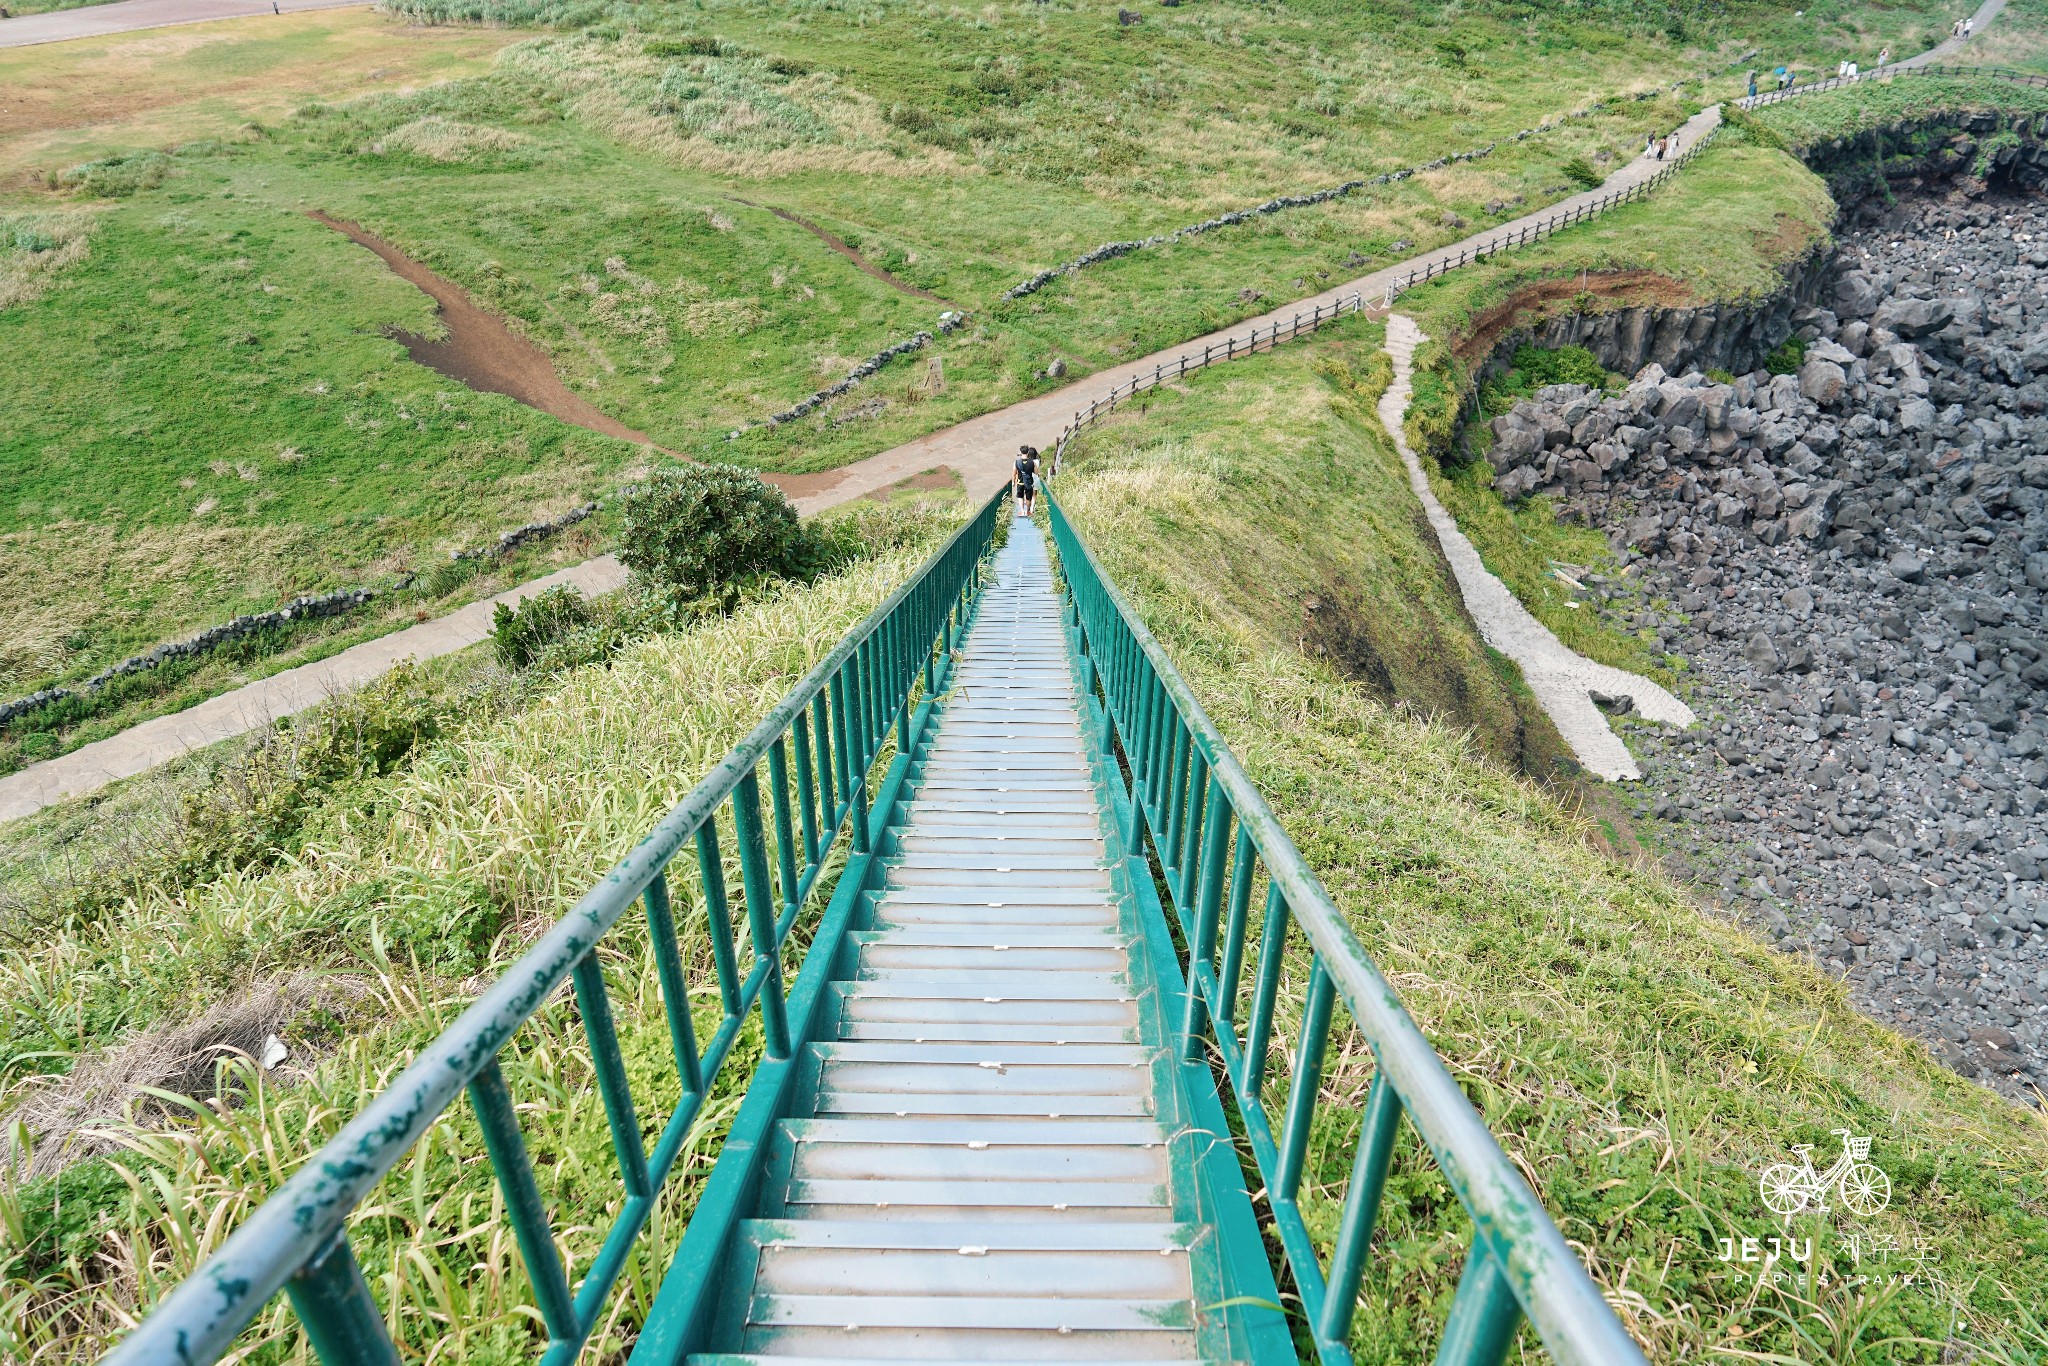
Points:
(95, 21)
(1562, 680)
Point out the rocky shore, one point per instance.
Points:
(1853, 559)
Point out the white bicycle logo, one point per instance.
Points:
(1865, 1189)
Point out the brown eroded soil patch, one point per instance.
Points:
(848, 252)
(480, 351)
(1532, 303)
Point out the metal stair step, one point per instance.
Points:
(1083, 845)
(1020, 935)
(994, 989)
(965, 1132)
(1049, 1314)
(880, 959)
(1054, 1016)
(1015, 1105)
(985, 1032)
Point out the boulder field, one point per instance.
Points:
(1852, 557)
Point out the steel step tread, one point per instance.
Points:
(974, 1193)
(928, 1133)
(1020, 1106)
(1049, 1314)
(1009, 1055)
(998, 989)
(995, 1031)
(1026, 936)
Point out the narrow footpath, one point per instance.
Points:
(96, 21)
(1563, 680)
(980, 450)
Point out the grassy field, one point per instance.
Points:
(1841, 113)
(208, 367)
(354, 910)
(1641, 1059)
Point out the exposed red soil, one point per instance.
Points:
(1534, 302)
(848, 252)
(481, 351)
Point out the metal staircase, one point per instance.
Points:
(980, 1165)
(1037, 915)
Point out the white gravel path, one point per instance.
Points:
(1562, 680)
(126, 16)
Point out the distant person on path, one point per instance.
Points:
(1841, 69)
(1024, 478)
(1663, 144)
(1884, 58)
(1852, 72)
(1784, 77)
(1752, 82)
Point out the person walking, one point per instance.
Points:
(1024, 479)
(1663, 144)
(1752, 82)
(1884, 57)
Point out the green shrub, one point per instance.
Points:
(1536, 366)
(519, 634)
(1581, 173)
(117, 177)
(1439, 385)
(698, 532)
(1790, 355)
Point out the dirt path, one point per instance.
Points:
(480, 350)
(848, 252)
(1562, 679)
(96, 20)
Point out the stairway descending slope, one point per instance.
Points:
(994, 1158)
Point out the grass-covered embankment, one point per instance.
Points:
(608, 187)
(355, 909)
(1813, 119)
(1641, 1059)
(1723, 231)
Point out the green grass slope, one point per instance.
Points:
(185, 338)
(1642, 1059)
(354, 908)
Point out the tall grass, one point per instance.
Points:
(412, 889)
(1639, 1056)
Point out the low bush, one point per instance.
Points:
(1787, 358)
(519, 634)
(1581, 173)
(119, 176)
(705, 533)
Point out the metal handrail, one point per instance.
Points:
(1186, 790)
(1889, 73)
(820, 745)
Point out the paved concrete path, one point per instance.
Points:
(142, 747)
(1562, 680)
(94, 21)
(980, 450)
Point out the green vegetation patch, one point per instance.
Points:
(1813, 119)
(433, 831)
(1643, 1060)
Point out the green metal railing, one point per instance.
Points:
(1219, 851)
(819, 747)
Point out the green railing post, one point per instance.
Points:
(594, 1003)
(1208, 881)
(785, 837)
(507, 1148)
(1361, 1209)
(337, 1311)
(746, 817)
(675, 986)
(1308, 1079)
(1265, 989)
(718, 916)
(1484, 1314)
(1227, 974)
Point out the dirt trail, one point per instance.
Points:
(848, 252)
(481, 351)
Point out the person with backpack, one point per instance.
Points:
(1024, 479)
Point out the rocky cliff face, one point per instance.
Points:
(1984, 152)
(1731, 337)
(1854, 560)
